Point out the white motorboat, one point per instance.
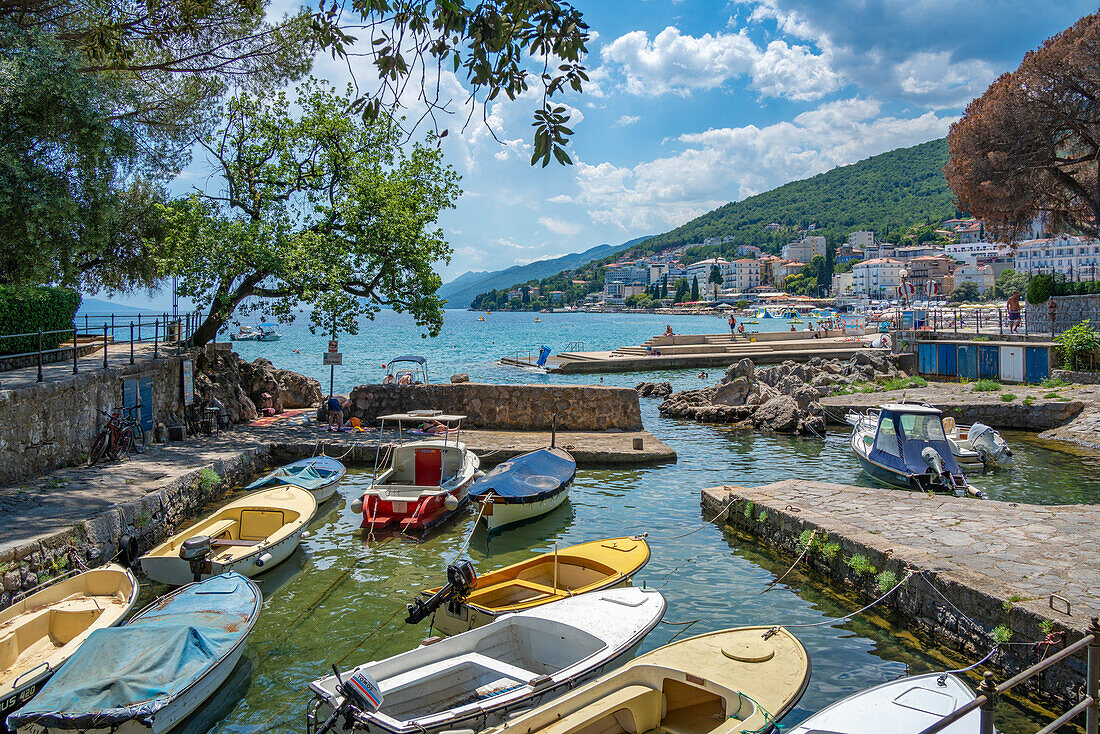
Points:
(977, 446)
(524, 488)
(424, 481)
(151, 673)
(473, 680)
(904, 706)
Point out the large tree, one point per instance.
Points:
(1030, 146)
(317, 208)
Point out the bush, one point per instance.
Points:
(986, 386)
(1076, 342)
(886, 581)
(966, 292)
(209, 480)
(901, 383)
(1001, 634)
(861, 565)
(24, 310)
(1007, 397)
(1053, 382)
(1040, 288)
(829, 551)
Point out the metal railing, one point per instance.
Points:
(988, 693)
(167, 334)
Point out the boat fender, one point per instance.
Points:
(128, 550)
(263, 560)
(450, 502)
(479, 474)
(357, 506)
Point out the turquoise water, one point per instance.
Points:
(341, 598)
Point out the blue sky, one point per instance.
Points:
(693, 104)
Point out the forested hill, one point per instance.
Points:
(886, 193)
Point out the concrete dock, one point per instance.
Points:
(688, 351)
(997, 563)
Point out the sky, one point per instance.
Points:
(693, 104)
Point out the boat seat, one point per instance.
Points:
(232, 542)
(260, 524)
(215, 529)
(416, 675)
(634, 709)
(539, 589)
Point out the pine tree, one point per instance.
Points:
(695, 288)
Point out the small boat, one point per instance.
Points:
(903, 706)
(977, 446)
(537, 320)
(523, 488)
(150, 673)
(480, 318)
(550, 577)
(408, 369)
(321, 475)
(43, 628)
(739, 680)
(904, 444)
(249, 535)
(474, 680)
(424, 482)
(261, 333)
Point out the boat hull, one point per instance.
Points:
(177, 572)
(414, 514)
(499, 515)
(325, 492)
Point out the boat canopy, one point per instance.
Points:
(409, 358)
(906, 430)
(307, 474)
(134, 671)
(527, 478)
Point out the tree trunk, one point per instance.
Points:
(207, 330)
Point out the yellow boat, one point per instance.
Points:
(600, 564)
(41, 631)
(249, 535)
(738, 680)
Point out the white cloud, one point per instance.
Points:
(731, 163)
(937, 80)
(674, 63)
(561, 199)
(627, 120)
(560, 226)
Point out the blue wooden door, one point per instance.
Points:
(946, 362)
(926, 355)
(967, 362)
(139, 391)
(1036, 364)
(989, 362)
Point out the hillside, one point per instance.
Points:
(886, 193)
(460, 291)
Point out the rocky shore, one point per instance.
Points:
(239, 386)
(782, 398)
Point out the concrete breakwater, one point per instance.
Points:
(983, 570)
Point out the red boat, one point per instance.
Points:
(425, 481)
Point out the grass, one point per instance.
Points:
(1028, 400)
(1007, 397)
(1049, 383)
(886, 581)
(1001, 634)
(985, 386)
(861, 565)
(209, 480)
(829, 551)
(1047, 626)
(901, 383)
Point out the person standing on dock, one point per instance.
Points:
(1013, 307)
(733, 325)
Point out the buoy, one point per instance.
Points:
(450, 502)
(357, 506)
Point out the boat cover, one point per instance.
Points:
(134, 671)
(905, 457)
(528, 478)
(307, 474)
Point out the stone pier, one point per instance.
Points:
(1033, 571)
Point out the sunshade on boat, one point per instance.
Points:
(307, 474)
(527, 478)
(134, 671)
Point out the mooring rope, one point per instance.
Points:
(721, 514)
(798, 560)
(846, 617)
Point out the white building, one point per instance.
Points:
(742, 275)
(616, 292)
(844, 285)
(861, 240)
(980, 275)
(911, 252)
(972, 252)
(882, 249)
(805, 249)
(701, 270)
(1075, 257)
(879, 277)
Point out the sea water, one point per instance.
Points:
(340, 598)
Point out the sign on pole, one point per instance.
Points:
(333, 346)
(333, 358)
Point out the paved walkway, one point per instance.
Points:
(117, 356)
(1015, 553)
(53, 502)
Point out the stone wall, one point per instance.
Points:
(1080, 378)
(507, 407)
(1071, 310)
(52, 424)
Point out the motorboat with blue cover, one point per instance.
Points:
(904, 444)
(149, 674)
(524, 488)
(321, 475)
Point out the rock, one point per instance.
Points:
(654, 389)
(734, 392)
(779, 415)
(12, 580)
(743, 368)
(460, 377)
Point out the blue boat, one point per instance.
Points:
(152, 672)
(904, 444)
(523, 488)
(321, 475)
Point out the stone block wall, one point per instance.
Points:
(1071, 310)
(507, 407)
(52, 424)
(1080, 378)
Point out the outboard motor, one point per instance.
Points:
(934, 460)
(194, 551)
(361, 693)
(461, 580)
(989, 445)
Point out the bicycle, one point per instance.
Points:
(112, 440)
(130, 421)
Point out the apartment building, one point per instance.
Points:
(879, 277)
